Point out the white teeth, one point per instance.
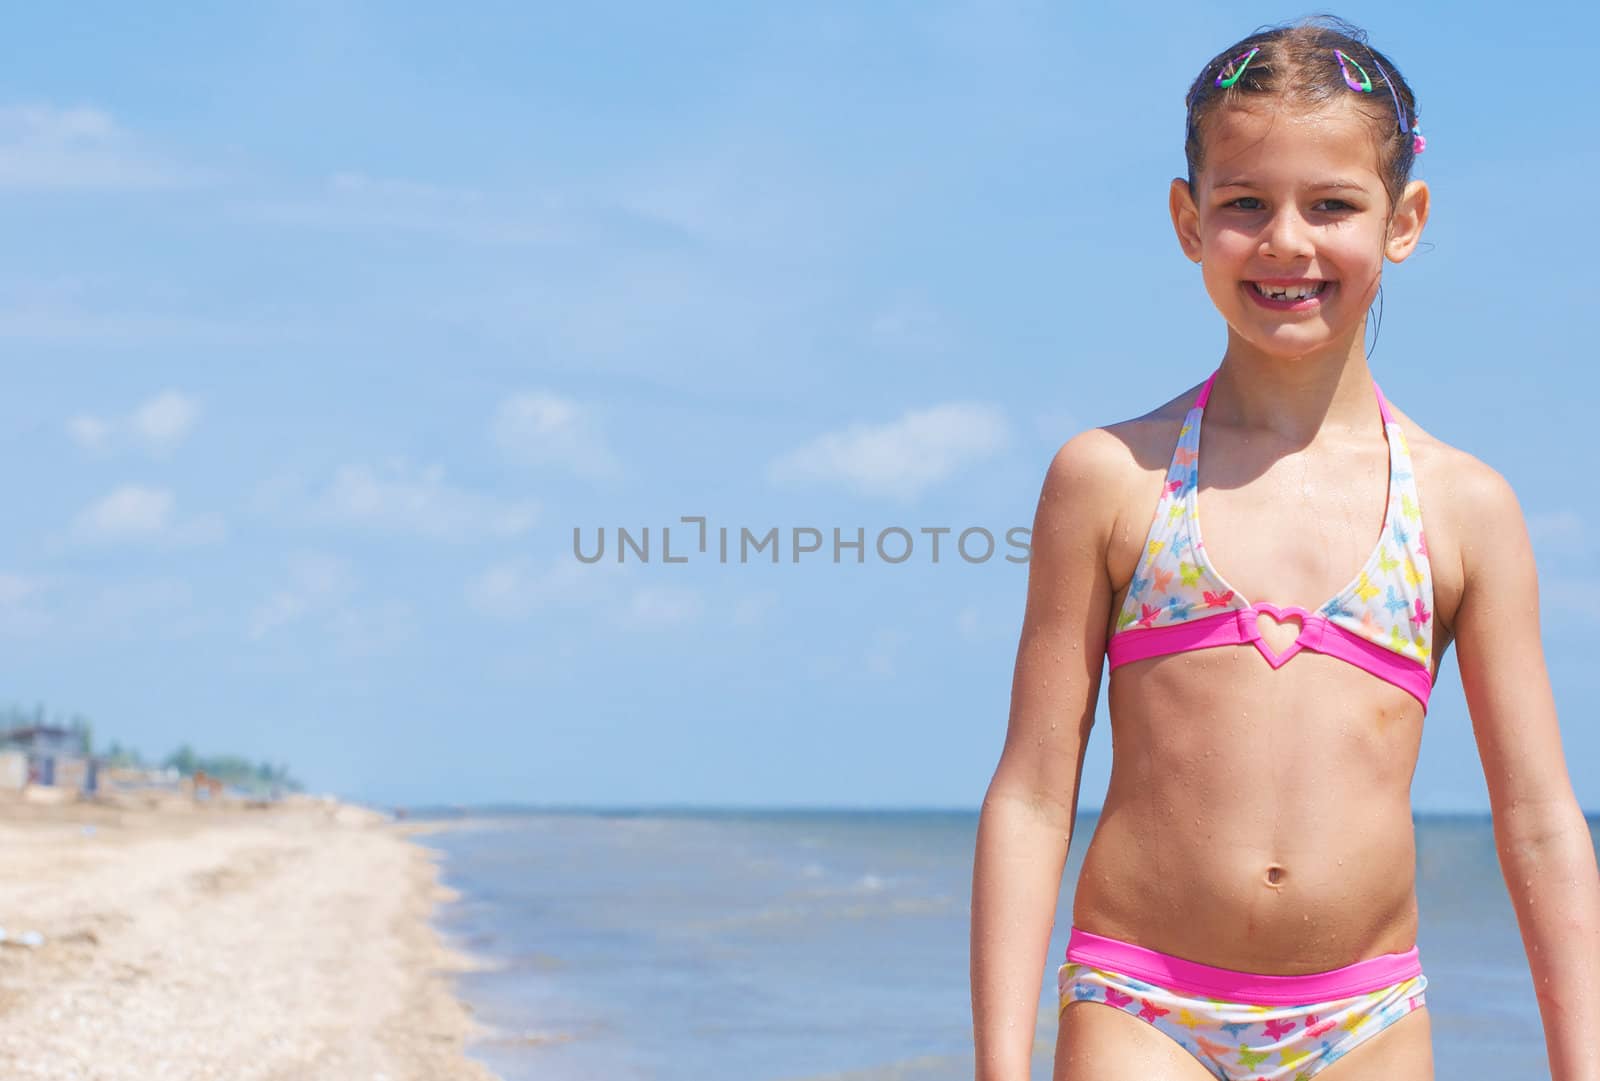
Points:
(1293, 292)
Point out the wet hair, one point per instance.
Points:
(1296, 66)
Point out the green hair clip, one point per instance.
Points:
(1230, 74)
(1365, 85)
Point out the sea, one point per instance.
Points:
(757, 945)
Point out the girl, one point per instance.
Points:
(1246, 907)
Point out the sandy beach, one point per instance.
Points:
(185, 941)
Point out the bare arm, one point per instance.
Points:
(1025, 828)
(1545, 851)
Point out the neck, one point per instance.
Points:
(1295, 397)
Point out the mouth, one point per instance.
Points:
(1282, 295)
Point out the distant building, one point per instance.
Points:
(13, 771)
(46, 739)
(55, 756)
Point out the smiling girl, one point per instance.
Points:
(1247, 904)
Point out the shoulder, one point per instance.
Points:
(1493, 533)
(1465, 494)
(1077, 509)
(1495, 620)
(1101, 461)
(1088, 483)
(1464, 486)
(1089, 466)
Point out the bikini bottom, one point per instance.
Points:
(1242, 1026)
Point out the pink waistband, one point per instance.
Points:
(1176, 974)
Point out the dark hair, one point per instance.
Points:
(1295, 64)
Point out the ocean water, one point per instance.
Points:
(802, 946)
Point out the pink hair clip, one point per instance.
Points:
(1418, 143)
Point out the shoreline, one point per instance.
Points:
(194, 940)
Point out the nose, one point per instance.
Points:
(1287, 235)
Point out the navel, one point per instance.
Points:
(1275, 875)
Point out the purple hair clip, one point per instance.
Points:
(1364, 85)
(1234, 68)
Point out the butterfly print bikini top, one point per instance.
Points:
(1381, 621)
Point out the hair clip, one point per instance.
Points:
(1225, 79)
(1399, 113)
(1365, 85)
(1418, 143)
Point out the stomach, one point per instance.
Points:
(1257, 819)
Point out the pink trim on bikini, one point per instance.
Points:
(1238, 626)
(1191, 977)
(1319, 632)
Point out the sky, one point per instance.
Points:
(324, 327)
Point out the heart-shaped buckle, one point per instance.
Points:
(1310, 634)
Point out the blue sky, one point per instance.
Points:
(323, 325)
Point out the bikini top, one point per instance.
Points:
(1380, 622)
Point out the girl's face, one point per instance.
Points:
(1292, 204)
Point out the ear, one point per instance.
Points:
(1405, 225)
(1185, 218)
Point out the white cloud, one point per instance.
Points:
(884, 650)
(15, 588)
(131, 510)
(165, 420)
(398, 496)
(141, 607)
(86, 608)
(540, 428)
(352, 201)
(752, 609)
(659, 608)
(320, 592)
(969, 623)
(65, 310)
(373, 630)
(20, 612)
(516, 589)
(504, 591)
(316, 582)
(158, 424)
(909, 323)
(368, 188)
(134, 512)
(47, 148)
(900, 459)
(88, 432)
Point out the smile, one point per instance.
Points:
(1288, 297)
